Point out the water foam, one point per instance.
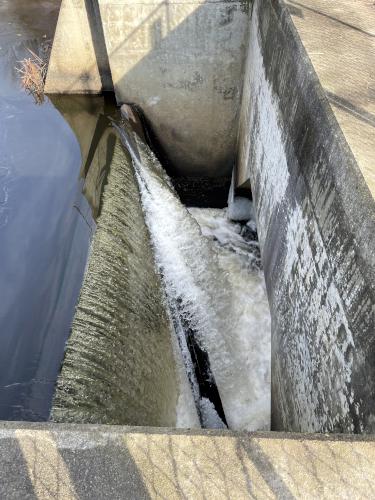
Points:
(220, 295)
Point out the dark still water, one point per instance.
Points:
(48, 159)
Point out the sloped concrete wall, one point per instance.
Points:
(316, 222)
(119, 365)
(181, 61)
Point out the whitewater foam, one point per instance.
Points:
(251, 323)
(220, 295)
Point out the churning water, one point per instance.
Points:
(130, 358)
(211, 273)
(250, 337)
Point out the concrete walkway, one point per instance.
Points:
(50, 461)
(340, 40)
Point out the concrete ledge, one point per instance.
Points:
(339, 38)
(90, 461)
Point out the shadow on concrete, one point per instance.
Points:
(48, 468)
(351, 108)
(332, 18)
(265, 468)
(98, 41)
(84, 462)
(196, 90)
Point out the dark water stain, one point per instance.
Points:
(51, 177)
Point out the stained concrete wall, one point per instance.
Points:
(181, 61)
(316, 222)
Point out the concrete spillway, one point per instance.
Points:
(225, 83)
(221, 83)
(119, 363)
(229, 346)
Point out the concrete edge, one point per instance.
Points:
(358, 197)
(171, 431)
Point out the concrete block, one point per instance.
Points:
(73, 67)
(182, 62)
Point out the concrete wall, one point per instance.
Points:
(70, 462)
(317, 233)
(181, 61)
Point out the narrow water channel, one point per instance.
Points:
(210, 268)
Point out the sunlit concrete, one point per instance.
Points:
(339, 38)
(50, 461)
(73, 67)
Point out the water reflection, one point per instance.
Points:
(89, 118)
(49, 156)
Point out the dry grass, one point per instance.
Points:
(33, 71)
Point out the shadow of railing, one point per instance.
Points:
(64, 462)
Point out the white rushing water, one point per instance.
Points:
(250, 318)
(208, 268)
(187, 416)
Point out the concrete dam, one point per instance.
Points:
(230, 84)
(208, 287)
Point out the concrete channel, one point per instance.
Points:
(235, 89)
(270, 114)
